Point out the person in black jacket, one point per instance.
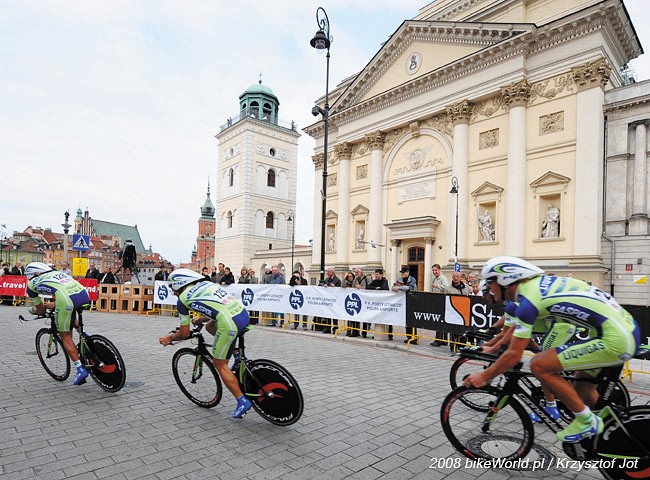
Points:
(228, 277)
(107, 276)
(162, 274)
(298, 279)
(331, 280)
(380, 283)
(92, 272)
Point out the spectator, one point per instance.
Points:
(277, 279)
(206, 275)
(228, 277)
(378, 283)
(65, 268)
(213, 274)
(331, 280)
(255, 316)
(360, 281)
(129, 258)
(107, 276)
(439, 284)
(92, 272)
(266, 277)
(217, 276)
(476, 292)
(4, 270)
(243, 276)
(162, 274)
(18, 269)
(407, 283)
(298, 279)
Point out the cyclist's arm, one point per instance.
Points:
(502, 338)
(183, 330)
(505, 362)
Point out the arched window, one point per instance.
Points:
(229, 219)
(270, 178)
(231, 177)
(269, 220)
(255, 110)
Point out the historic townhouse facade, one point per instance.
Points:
(502, 99)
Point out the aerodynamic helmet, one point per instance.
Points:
(182, 277)
(507, 270)
(36, 268)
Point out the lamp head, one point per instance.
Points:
(316, 110)
(320, 41)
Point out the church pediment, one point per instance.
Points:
(550, 179)
(487, 188)
(359, 210)
(419, 48)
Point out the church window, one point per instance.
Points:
(270, 178)
(269, 220)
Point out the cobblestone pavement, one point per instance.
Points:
(371, 411)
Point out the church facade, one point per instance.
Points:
(476, 130)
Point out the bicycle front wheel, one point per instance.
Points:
(503, 431)
(105, 363)
(197, 378)
(274, 392)
(52, 355)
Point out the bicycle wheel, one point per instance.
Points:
(623, 457)
(52, 355)
(197, 378)
(104, 362)
(274, 392)
(503, 432)
(618, 395)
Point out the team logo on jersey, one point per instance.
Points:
(296, 299)
(247, 297)
(163, 292)
(353, 304)
(198, 307)
(545, 284)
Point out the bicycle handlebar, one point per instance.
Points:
(194, 333)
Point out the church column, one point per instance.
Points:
(590, 80)
(639, 221)
(515, 97)
(343, 152)
(394, 260)
(316, 217)
(459, 114)
(428, 262)
(376, 145)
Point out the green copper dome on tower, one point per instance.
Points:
(259, 102)
(207, 210)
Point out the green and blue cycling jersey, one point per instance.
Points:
(69, 295)
(213, 302)
(615, 337)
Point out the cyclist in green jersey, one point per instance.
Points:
(538, 296)
(226, 318)
(69, 295)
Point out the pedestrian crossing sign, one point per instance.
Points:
(81, 242)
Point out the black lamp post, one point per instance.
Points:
(292, 219)
(66, 228)
(322, 41)
(454, 191)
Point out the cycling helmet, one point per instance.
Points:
(36, 268)
(182, 277)
(507, 270)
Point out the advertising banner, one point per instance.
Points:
(91, 287)
(13, 285)
(450, 313)
(162, 294)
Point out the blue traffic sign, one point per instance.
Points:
(456, 267)
(81, 242)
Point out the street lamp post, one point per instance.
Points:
(66, 228)
(454, 191)
(322, 41)
(292, 219)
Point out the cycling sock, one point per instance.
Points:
(584, 415)
(551, 404)
(76, 364)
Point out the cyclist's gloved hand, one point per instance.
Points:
(32, 310)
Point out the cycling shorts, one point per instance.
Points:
(65, 307)
(228, 329)
(617, 344)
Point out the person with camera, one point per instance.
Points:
(298, 279)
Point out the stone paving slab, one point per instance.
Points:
(371, 411)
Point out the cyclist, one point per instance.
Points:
(69, 295)
(226, 318)
(616, 335)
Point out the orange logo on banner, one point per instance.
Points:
(462, 305)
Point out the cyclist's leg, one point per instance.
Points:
(64, 311)
(211, 327)
(224, 341)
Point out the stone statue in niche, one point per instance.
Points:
(486, 227)
(361, 236)
(331, 242)
(551, 222)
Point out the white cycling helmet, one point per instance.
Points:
(182, 277)
(507, 270)
(36, 268)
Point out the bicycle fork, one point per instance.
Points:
(493, 411)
